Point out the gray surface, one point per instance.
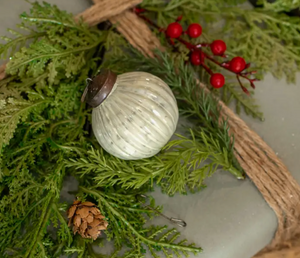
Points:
(229, 219)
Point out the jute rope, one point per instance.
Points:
(131, 27)
(259, 161)
(289, 249)
(270, 176)
(103, 10)
(2, 71)
(126, 23)
(261, 164)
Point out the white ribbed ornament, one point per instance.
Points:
(137, 117)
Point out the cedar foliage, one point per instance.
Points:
(44, 136)
(266, 37)
(280, 5)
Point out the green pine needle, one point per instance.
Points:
(269, 40)
(232, 93)
(44, 127)
(12, 112)
(280, 5)
(184, 164)
(265, 38)
(124, 223)
(54, 48)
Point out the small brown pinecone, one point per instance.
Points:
(87, 219)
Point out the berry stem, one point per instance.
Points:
(179, 18)
(241, 74)
(148, 20)
(186, 43)
(209, 71)
(249, 73)
(243, 87)
(193, 47)
(139, 10)
(200, 45)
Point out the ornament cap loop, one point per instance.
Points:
(98, 88)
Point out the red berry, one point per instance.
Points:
(174, 30)
(197, 57)
(217, 80)
(194, 30)
(237, 64)
(218, 47)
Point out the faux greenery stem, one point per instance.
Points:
(51, 55)
(24, 217)
(238, 174)
(245, 103)
(63, 221)
(32, 126)
(81, 254)
(18, 114)
(7, 80)
(34, 80)
(136, 233)
(41, 226)
(40, 104)
(68, 25)
(25, 109)
(24, 38)
(60, 123)
(39, 19)
(132, 209)
(59, 248)
(197, 47)
(92, 253)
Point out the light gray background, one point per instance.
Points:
(229, 219)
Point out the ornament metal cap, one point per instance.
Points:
(98, 88)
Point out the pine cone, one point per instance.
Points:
(87, 219)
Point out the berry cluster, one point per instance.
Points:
(175, 30)
(198, 57)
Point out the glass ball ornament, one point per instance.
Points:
(134, 114)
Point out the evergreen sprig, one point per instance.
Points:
(268, 39)
(183, 165)
(126, 222)
(43, 126)
(12, 112)
(29, 204)
(39, 100)
(193, 101)
(280, 5)
(60, 44)
(231, 93)
(177, 170)
(264, 37)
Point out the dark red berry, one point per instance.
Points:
(197, 57)
(194, 30)
(237, 64)
(218, 47)
(174, 30)
(217, 80)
